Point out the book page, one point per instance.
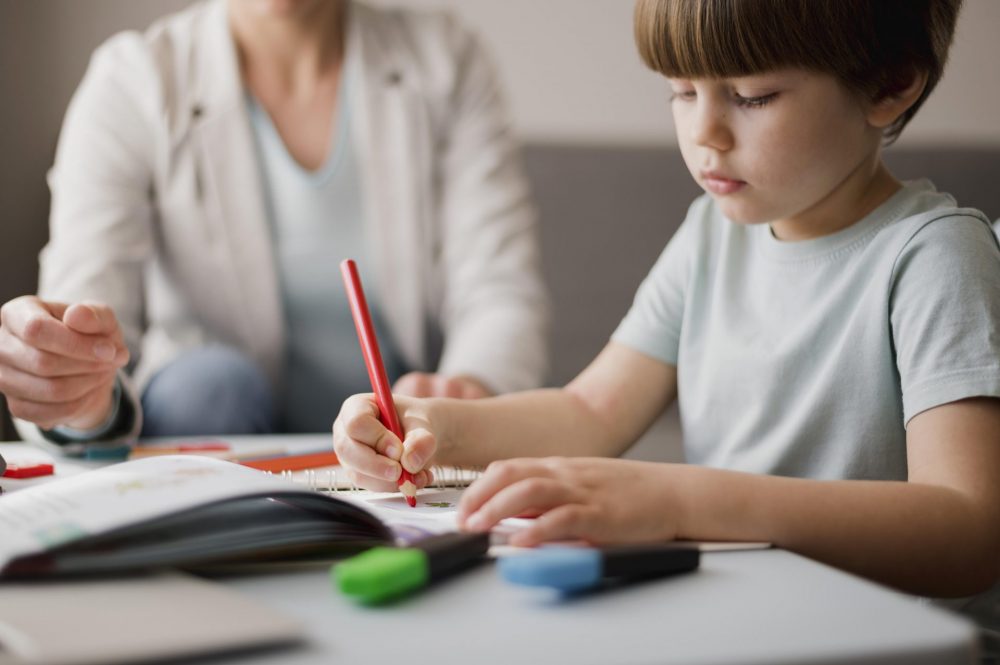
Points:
(37, 518)
(436, 512)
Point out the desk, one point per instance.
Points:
(765, 606)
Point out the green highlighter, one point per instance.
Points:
(385, 573)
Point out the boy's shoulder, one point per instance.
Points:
(922, 213)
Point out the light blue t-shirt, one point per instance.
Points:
(808, 358)
(318, 219)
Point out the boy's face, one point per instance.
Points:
(789, 147)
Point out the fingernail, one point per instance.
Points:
(414, 461)
(104, 351)
(475, 522)
(393, 451)
(392, 473)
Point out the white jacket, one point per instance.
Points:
(158, 208)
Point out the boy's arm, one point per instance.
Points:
(937, 534)
(600, 413)
(603, 411)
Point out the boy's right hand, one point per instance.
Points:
(58, 362)
(373, 456)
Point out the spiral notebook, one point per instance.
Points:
(336, 479)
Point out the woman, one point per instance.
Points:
(211, 174)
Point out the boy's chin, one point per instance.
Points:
(740, 212)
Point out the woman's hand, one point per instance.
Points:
(58, 362)
(598, 500)
(422, 384)
(373, 456)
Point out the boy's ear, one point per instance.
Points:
(885, 111)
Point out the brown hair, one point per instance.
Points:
(874, 47)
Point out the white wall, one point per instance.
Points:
(573, 74)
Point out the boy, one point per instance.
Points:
(832, 334)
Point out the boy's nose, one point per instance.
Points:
(710, 128)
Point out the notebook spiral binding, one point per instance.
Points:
(334, 479)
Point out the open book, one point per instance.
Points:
(174, 511)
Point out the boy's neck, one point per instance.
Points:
(866, 188)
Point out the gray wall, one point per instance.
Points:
(44, 48)
(574, 76)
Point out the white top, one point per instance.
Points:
(808, 358)
(318, 219)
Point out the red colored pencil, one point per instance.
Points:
(376, 370)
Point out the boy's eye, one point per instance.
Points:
(684, 95)
(755, 102)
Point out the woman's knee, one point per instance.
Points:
(210, 390)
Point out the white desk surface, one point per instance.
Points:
(764, 606)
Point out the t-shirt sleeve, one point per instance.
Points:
(945, 313)
(653, 324)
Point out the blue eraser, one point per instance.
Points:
(563, 568)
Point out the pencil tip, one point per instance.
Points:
(409, 491)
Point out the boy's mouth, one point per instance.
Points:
(717, 183)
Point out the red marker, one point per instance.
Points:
(28, 470)
(376, 370)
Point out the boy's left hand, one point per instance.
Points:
(594, 499)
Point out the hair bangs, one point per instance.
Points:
(728, 38)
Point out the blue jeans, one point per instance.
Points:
(210, 390)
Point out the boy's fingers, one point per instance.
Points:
(527, 495)
(375, 484)
(497, 476)
(418, 449)
(367, 430)
(364, 460)
(423, 478)
(371, 483)
(357, 405)
(359, 416)
(566, 522)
